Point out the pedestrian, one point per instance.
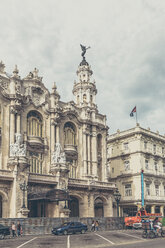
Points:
(19, 227)
(13, 229)
(96, 225)
(93, 226)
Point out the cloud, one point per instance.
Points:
(127, 52)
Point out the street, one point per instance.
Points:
(125, 238)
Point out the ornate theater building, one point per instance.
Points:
(52, 154)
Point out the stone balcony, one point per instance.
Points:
(70, 149)
(91, 184)
(35, 141)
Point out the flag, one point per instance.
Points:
(133, 111)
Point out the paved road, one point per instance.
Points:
(112, 239)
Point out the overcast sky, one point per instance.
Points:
(127, 55)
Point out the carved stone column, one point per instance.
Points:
(153, 209)
(85, 152)
(57, 134)
(52, 130)
(89, 155)
(18, 123)
(94, 152)
(12, 125)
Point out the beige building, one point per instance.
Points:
(130, 152)
(53, 159)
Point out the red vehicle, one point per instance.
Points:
(135, 221)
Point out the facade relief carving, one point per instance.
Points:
(58, 157)
(18, 149)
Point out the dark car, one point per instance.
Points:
(4, 231)
(70, 227)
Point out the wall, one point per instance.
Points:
(38, 226)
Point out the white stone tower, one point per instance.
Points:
(84, 90)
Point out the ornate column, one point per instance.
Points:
(52, 130)
(12, 125)
(153, 209)
(89, 154)
(57, 134)
(94, 152)
(18, 123)
(85, 151)
(162, 210)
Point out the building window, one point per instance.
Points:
(162, 150)
(146, 164)
(147, 189)
(35, 162)
(156, 166)
(72, 169)
(69, 134)
(157, 190)
(154, 148)
(128, 190)
(125, 146)
(112, 170)
(164, 190)
(34, 124)
(163, 168)
(126, 165)
(145, 144)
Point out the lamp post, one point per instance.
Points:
(23, 187)
(117, 196)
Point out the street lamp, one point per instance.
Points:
(23, 187)
(117, 196)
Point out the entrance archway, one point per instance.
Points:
(37, 208)
(0, 206)
(99, 207)
(74, 207)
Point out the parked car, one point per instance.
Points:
(70, 227)
(4, 231)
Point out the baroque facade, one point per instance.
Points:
(53, 155)
(129, 153)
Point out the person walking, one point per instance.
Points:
(19, 227)
(93, 226)
(96, 225)
(13, 229)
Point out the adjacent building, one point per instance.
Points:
(53, 154)
(129, 153)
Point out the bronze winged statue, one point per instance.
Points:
(84, 48)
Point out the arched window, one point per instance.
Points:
(84, 98)
(91, 98)
(0, 206)
(34, 124)
(70, 134)
(99, 207)
(35, 162)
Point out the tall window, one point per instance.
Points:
(34, 124)
(72, 169)
(164, 190)
(125, 145)
(99, 145)
(147, 188)
(69, 134)
(154, 148)
(157, 190)
(146, 164)
(36, 162)
(163, 168)
(126, 165)
(128, 190)
(0, 117)
(145, 144)
(162, 150)
(156, 166)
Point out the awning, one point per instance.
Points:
(51, 195)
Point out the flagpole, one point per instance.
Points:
(136, 116)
